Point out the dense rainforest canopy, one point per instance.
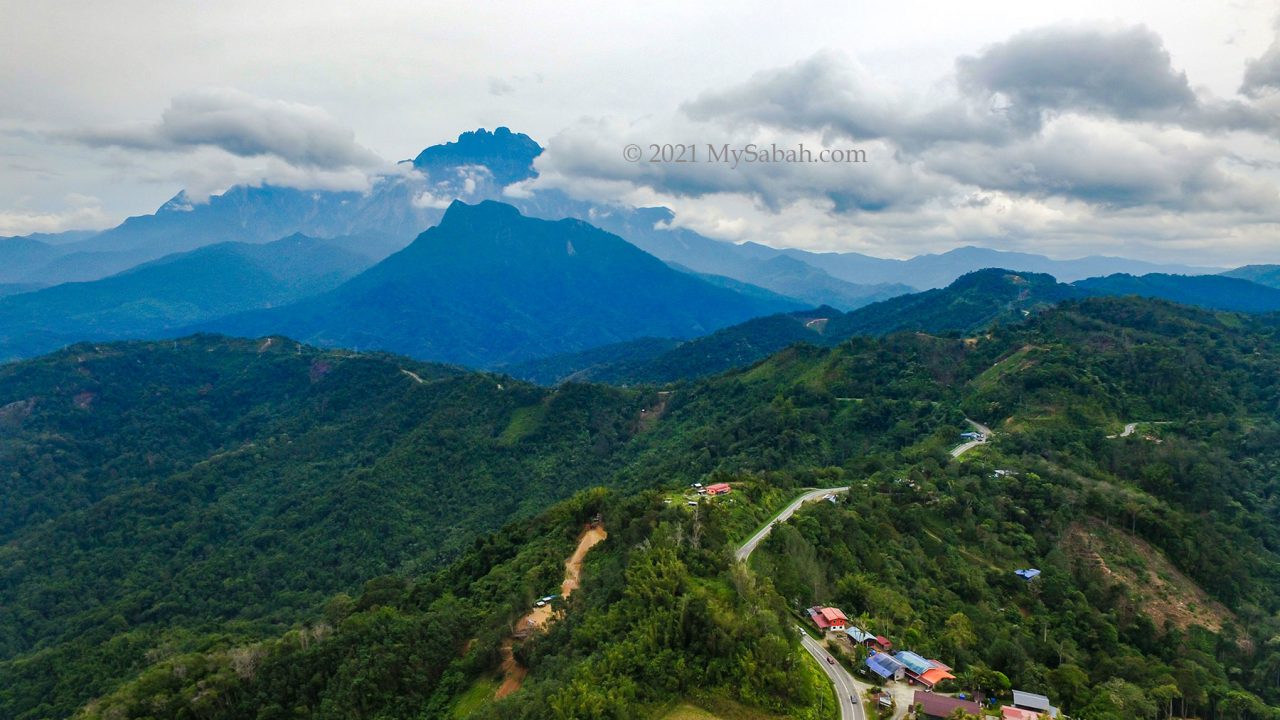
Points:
(215, 528)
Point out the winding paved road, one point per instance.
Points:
(749, 546)
(846, 691)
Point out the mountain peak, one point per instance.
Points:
(507, 155)
(485, 212)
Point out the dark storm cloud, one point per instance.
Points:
(243, 125)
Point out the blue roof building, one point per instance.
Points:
(858, 635)
(913, 662)
(884, 665)
(1028, 574)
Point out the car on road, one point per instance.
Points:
(831, 660)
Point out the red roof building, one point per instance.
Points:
(1012, 713)
(828, 619)
(718, 489)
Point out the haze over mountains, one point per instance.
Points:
(494, 286)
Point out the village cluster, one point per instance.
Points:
(906, 666)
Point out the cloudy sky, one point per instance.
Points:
(1148, 129)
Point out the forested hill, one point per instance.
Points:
(210, 511)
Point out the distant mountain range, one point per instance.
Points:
(973, 303)
(935, 271)
(1216, 292)
(489, 285)
(156, 298)
(481, 165)
(616, 293)
(1268, 275)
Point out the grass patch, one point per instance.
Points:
(476, 697)
(523, 422)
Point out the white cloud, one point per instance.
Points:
(79, 212)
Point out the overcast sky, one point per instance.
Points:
(1147, 129)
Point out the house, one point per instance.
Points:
(1027, 574)
(941, 707)
(718, 489)
(1034, 703)
(884, 665)
(862, 637)
(926, 672)
(858, 636)
(933, 676)
(1009, 712)
(916, 665)
(828, 619)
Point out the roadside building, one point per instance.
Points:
(1008, 712)
(916, 665)
(1034, 703)
(931, 677)
(828, 619)
(941, 707)
(858, 635)
(921, 670)
(884, 665)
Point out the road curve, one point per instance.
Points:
(749, 546)
(846, 690)
(962, 449)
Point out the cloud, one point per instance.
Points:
(243, 125)
(1056, 139)
(1124, 73)
(81, 212)
(499, 87)
(833, 94)
(587, 160)
(1109, 165)
(216, 138)
(1262, 75)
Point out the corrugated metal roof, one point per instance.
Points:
(1031, 701)
(859, 635)
(943, 706)
(914, 662)
(883, 665)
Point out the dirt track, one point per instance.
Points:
(512, 672)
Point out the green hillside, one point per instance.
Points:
(254, 530)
